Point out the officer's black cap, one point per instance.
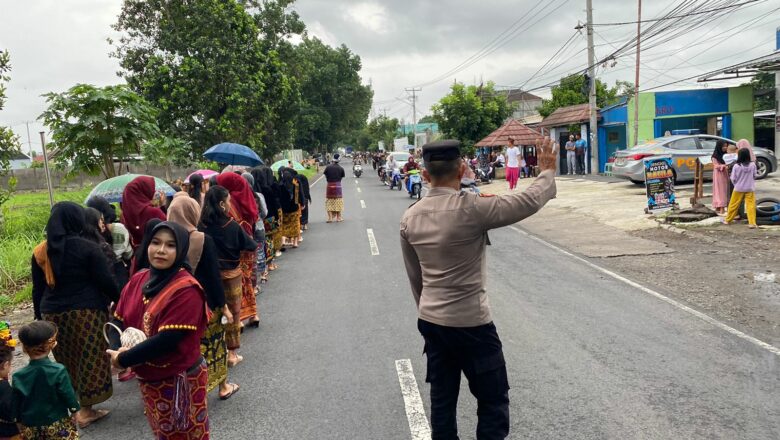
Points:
(441, 150)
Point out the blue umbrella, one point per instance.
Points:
(233, 154)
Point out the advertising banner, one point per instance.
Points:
(659, 184)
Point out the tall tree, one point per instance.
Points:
(763, 91)
(9, 142)
(334, 101)
(469, 113)
(210, 68)
(97, 129)
(572, 91)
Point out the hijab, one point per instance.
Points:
(263, 186)
(745, 144)
(142, 254)
(137, 206)
(66, 220)
(242, 200)
(158, 278)
(185, 212)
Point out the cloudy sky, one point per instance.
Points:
(403, 43)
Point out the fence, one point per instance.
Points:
(32, 179)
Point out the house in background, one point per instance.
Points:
(524, 104)
(20, 161)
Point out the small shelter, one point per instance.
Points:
(513, 128)
(559, 122)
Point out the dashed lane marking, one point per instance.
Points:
(372, 242)
(363, 204)
(415, 411)
(358, 190)
(318, 180)
(647, 290)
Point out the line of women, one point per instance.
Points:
(188, 270)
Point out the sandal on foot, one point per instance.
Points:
(238, 360)
(233, 390)
(99, 414)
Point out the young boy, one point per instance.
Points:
(43, 394)
(8, 428)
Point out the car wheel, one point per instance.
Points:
(637, 182)
(762, 168)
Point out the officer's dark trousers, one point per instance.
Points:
(476, 351)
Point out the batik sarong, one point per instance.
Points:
(82, 350)
(334, 201)
(161, 406)
(247, 264)
(214, 349)
(277, 233)
(291, 224)
(231, 283)
(64, 429)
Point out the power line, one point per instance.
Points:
(677, 16)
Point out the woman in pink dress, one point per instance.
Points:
(720, 178)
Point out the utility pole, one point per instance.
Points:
(594, 134)
(414, 113)
(29, 141)
(636, 78)
(46, 169)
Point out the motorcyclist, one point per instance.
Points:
(410, 165)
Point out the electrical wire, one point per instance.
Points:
(677, 16)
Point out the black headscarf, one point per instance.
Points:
(718, 153)
(141, 254)
(263, 186)
(107, 209)
(66, 220)
(158, 279)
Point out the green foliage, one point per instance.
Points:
(469, 113)
(570, 92)
(334, 102)
(93, 126)
(207, 165)
(167, 151)
(9, 142)
(427, 119)
(26, 216)
(215, 71)
(763, 90)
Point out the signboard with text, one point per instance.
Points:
(659, 184)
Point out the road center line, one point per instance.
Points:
(356, 182)
(318, 180)
(359, 189)
(415, 411)
(372, 242)
(666, 299)
(363, 204)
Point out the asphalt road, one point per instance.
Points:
(589, 356)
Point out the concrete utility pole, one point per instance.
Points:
(594, 133)
(29, 141)
(636, 80)
(414, 113)
(46, 169)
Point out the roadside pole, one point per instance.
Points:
(46, 169)
(594, 133)
(636, 79)
(414, 113)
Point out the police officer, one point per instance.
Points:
(443, 238)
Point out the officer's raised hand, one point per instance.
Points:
(547, 153)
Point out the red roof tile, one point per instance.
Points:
(499, 138)
(574, 114)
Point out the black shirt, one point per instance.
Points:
(7, 429)
(230, 239)
(85, 281)
(334, 173)
(207, 274)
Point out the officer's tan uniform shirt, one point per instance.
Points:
(443, 239)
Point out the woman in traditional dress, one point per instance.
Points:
(277, 215)
(306, 196)
(243, 209)
(168, 304)
(720, 178)
(72, 287)
(334, 202)
(259, 233)
(269, 225)
(230, 240)
(291, 208)
(137, 207)
(202, 258)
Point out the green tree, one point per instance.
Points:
(167, 151)
(94, 127)
(763, 90)
(214, 68)
(427, 119)
(570, 92)
(383, 129)
(334, 101)
(9, 142)
(469, 113)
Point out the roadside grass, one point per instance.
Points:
(309, 172)
(25, 219)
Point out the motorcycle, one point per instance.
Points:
(414, 184)
(395, 179)
(357, 170)
(469, 185)
(483, 173)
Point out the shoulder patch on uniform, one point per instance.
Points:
(415, 202)
(486, 195)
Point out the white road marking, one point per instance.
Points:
(415, 411)
(318, 180)
(683, 307)
(359, 189)
(363, 204)
(356, 182)
(372, 242)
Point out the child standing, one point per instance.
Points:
(8, 428)
(43, 394)
(743, 176)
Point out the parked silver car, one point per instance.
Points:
(684, 149)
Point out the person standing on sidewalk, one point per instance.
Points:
(443, 238)
(579, 152)
(743, 176)
(571, 163)
(512, 164)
